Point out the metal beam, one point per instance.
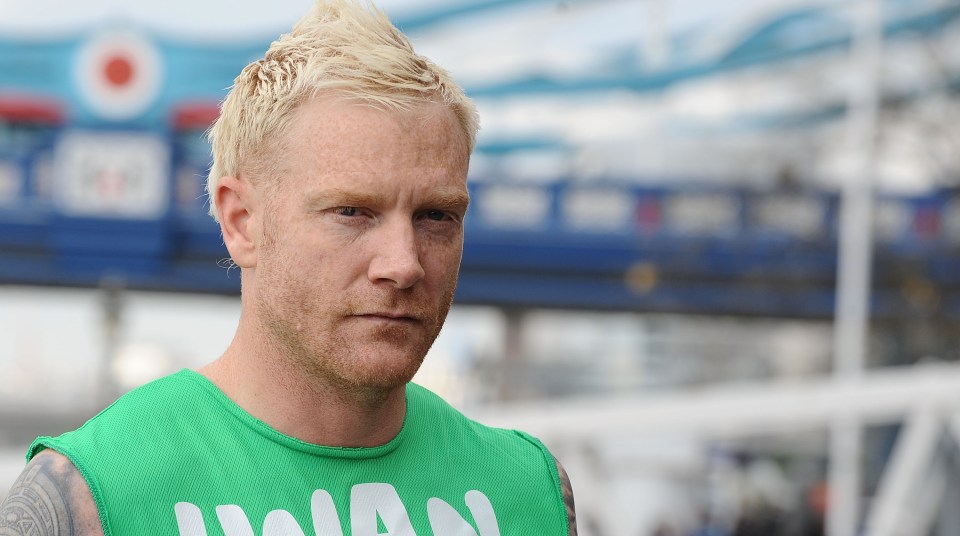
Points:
(906, 469)
(922, 395)
(651, 81)
(427, 18)
(879, 397)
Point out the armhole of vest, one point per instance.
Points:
(554, 471)
(42, 443)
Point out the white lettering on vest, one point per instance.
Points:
(280, 522)
(445, 520)
(233, 520)
(370, 505)
(325, 518)
(189, 519)
(370, 501)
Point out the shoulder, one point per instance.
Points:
(107, 448)
(124, 426)
(139, 412)
(520, 460)
(567, 491)
(168, 393)
(525, 455)
(449, 423)
(50, 498)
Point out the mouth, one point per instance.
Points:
(387, 316)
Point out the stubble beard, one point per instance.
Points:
(306, 331)
(316, 342)
(353, 366)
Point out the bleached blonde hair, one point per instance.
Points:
(341, 46)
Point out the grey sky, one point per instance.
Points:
(231, 18)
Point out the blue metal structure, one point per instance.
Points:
(603, 245)
(797, 33)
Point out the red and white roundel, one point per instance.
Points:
(118, 75)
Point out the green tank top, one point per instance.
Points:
(177, 456)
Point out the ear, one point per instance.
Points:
(235, 201)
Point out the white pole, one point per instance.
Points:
(886, 395)
(893, 513)
(654, 50)
(854, 258)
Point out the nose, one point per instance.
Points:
(396, 256)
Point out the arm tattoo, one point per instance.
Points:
(567, 490)
(39, 504)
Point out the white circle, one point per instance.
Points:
(110, 100)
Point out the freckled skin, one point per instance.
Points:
(361, 224)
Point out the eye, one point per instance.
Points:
(346, 211)
(436, 215)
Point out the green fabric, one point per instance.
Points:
(179, 447)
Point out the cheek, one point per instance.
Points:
(290, 269)
(443, 255)
(443, 266)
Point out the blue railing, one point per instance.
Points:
(598, 245)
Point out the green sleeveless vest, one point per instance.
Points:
(177, 456)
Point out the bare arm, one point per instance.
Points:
(567, 490)
(50, 498)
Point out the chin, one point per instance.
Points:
(383, 371)
(392, 373)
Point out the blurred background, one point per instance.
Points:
(712, 259)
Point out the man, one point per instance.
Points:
(339, 182)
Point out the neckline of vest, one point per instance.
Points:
(267, 431)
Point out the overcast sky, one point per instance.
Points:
(218, 18)
(226, 18)
(193, 17)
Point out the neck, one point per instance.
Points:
(295, 403)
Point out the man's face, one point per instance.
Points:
(361, 240)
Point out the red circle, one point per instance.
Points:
(118, 70)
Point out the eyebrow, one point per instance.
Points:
(447, 199)
(341, 197)
(456, 200)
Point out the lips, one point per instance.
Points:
(402, 317)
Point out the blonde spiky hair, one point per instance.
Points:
(341, 46)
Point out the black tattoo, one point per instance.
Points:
(39, 502)
(567, 490)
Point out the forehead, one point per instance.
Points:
(347, 152)
(341, 133)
